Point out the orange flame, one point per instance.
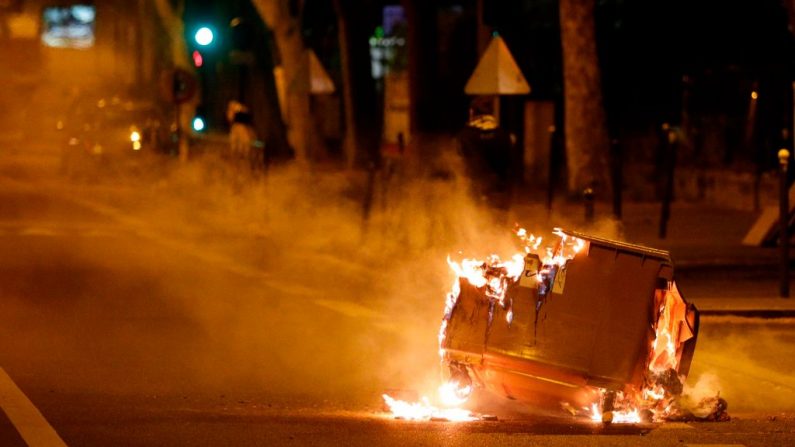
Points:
(495, 275)
(618, 417)
(671, 331)
(425, 411)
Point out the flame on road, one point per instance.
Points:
(618, 417)
(424, 411)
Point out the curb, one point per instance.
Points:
(728, 263)
(767, 314)
(751, 307)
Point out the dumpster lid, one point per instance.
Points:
(625, 246)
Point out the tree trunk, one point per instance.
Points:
(294, 61)
(172, 22)
(587, 144)
(482, 31)
(421, 17)
(350, 140)
(171, 19)
(789, 6)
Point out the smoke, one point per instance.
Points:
(298, 282)
(741, 360)
(339, 277)
(360, 283)
(707, 385)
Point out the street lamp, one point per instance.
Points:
(783, 222)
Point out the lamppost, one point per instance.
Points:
(783, 221)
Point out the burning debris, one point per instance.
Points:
(594, 325)
(425, 411)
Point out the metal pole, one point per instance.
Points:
(551, 170)
(783, 222)
(482, 39)
(496, 111)
(668, 193)
(141, 31)
(587, 195)
(369, 194)
(182, 144)
(618, 178)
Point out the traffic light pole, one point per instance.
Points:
(182, 142)
(183, 89)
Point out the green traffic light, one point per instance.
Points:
(204, 36)
(198, 124)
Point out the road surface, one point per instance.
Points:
(149, 312)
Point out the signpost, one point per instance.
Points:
(183, 86)
(498, 74)
(783, 223)
(179, 86)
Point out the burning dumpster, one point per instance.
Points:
(587, 322)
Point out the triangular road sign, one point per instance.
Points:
(319, 81)
(497, 73)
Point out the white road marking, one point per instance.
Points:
(57, 229)
(38, 231)
(27, 419)
(347, 308)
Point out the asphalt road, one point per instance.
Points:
(124, 322)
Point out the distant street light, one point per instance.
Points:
(204, 36)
